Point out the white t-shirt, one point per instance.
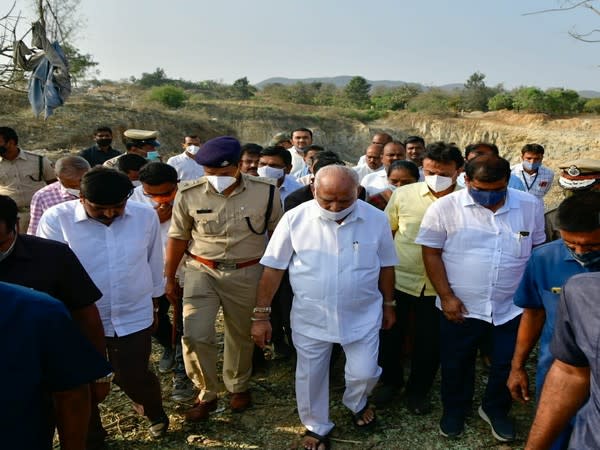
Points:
(187, 168)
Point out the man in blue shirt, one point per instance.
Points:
(52, 357)
(550, 267)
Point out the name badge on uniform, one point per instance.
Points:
(556, 290)
(203, 211)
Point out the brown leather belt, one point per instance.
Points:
(222, 265)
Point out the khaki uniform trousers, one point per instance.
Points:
(205, 290)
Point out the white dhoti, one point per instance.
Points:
(312, 377)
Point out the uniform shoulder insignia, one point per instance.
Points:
(263, 180)
(185, 185)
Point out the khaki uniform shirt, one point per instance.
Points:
(216, 225)
(20, 178)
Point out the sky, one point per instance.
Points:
(432, 42)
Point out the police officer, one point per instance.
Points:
(22, 173)
(580, 175)
(139, 142)
(220, 221)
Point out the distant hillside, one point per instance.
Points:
(342, 80)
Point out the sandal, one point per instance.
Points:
(359, 417)
(322, 441)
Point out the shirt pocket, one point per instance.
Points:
(520, 245)
(364, 255)
(210, 223)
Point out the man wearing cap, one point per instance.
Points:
(578, 176)
(186, 166)
(537, 178)
(138, 142)
(282, 139)
(22, 173)
(220, 221)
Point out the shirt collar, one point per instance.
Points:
(20, 155)
(81, 215)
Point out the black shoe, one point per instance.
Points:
(383, 395)
(503, 428)
(419, 406)
(158, 428)
(451, 426)
(167, 361)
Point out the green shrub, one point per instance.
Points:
(168, 95)
(592, 106)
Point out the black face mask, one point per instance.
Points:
(103, 142)
(3, 150)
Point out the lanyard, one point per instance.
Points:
(529, 186)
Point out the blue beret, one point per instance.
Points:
(221, 151)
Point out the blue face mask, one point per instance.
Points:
(531, 166)
(152, 156)
(487, 198)
(589, 260)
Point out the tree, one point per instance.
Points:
(476, 94)
(156, 78)
(529, 99)
(242, 89)
(592, 106)
(563, 101)
(503, 100)
(357, 92)
(567, 5)
(394, 98)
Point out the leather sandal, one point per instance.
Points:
(322, 443)
(359, 416)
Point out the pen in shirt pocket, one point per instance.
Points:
(355, 246)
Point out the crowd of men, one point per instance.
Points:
(420, 254)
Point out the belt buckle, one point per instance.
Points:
(226, 265)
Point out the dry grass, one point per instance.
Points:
(272, 423)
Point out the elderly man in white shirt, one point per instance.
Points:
(186, 166)
(476, 243)
(119, 245)
(378, 181)
(373, 162)
(341, 257)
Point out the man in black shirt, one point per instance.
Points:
(51, 267)
(101, 151)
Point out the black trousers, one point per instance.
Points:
(425, 355)
(458, 343)
(163, 333)
(129, 357)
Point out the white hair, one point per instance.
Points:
(71, 166)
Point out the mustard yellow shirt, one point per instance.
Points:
(405, 211)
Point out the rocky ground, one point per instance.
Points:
(272, 423)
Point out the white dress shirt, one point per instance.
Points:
(537, 184)
(297, 162)
(484, 253)
(187, 168)
(138, 196)
(375, 182)
(124, 260)
(365, 170)
(334, 269)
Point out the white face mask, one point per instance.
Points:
(392, 187)
(73, 192)
(335, 216)
(438, 183)
(220, 182)
(270, 172)
(192, 149)
(136, 183)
